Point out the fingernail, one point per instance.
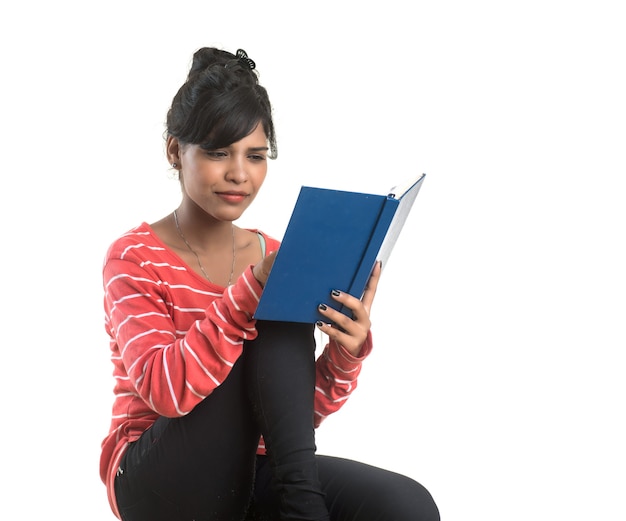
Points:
(323, 307)
(335, 293)
(319, 323)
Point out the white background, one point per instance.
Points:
(498, 375)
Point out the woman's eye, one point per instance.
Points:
(257, 157)
(217, 154)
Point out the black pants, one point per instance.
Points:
(204, 467)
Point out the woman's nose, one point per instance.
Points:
(236, 171)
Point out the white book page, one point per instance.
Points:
(404, 207)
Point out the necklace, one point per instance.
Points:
(232, 269)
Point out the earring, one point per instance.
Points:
(174, 165)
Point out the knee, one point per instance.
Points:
(406, 499)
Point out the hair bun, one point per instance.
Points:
(212, 59)
(206, 57)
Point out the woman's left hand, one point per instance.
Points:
(351, 333)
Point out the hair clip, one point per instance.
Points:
(242, 56)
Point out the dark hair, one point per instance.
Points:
(220, 103)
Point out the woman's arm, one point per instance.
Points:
(350, 342)
(174, 370)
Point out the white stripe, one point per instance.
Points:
(140, 245)
(190, 310)
(132, 367)
(254, 293)
(195, 393)
(143, 334)
(169, 384)
(342, 399)
(134, 295)
(130, 296)
(142, 315)
(127, 276)
(235, 342)
(197, 359)
(192, 289)
(125, 395)
(162, 265)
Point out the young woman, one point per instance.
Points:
(215, 413)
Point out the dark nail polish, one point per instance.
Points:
(319, 323)
(323, 307)
(335, 293)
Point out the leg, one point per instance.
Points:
(359, 492)
(281, 369)
(199, 466)
(354, 492)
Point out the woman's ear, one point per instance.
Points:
(172, 150)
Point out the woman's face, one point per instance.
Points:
(224, 182)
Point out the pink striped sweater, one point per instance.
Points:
(174, 337)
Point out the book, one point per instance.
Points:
(332, 241)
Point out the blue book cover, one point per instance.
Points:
(332, 241)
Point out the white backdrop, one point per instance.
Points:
(497, 379)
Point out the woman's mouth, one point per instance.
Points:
(232, 197)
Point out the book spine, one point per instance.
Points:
(357, 287)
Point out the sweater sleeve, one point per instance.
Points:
(172, 371)
(337, 372)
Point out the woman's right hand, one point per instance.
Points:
(262, 269)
